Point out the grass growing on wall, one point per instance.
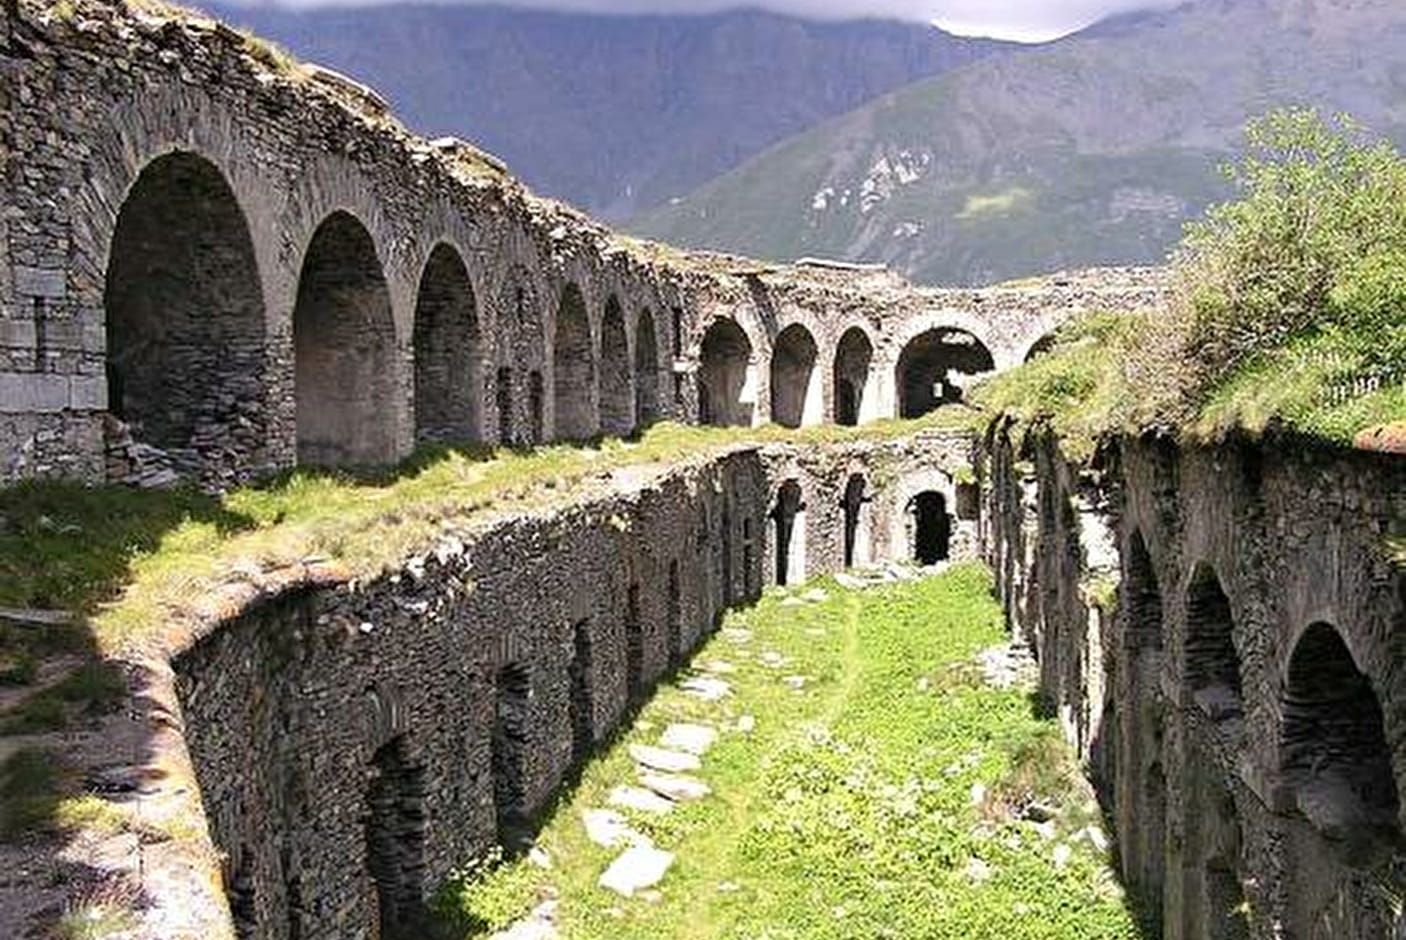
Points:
(1291, 312)
(129, 563)
(880, 800)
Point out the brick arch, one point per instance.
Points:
(185, 322)
(852, 376)
(726, 384)
(937, 359)
(796, 397)
(573, 368)
(345, 353)
(448, 391)
(616, 378)
(647, 404)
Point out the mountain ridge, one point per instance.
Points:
(1094, 149)
(615, 112)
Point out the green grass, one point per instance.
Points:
(136, 562)
(32, 784)
(875, 803)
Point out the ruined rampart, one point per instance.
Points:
(1219, 631)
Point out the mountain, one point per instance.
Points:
(612, 113)
(1092, 150)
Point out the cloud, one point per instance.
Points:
(1026, 20)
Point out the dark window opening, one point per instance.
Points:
(749, 560)
(675, 615)
(395, 839)
(505, 406)
(1212, 665)
(243, 903)
(853, 507)
(646, 372)
(1144, 597)
(968, 501)
(678, 333)
(616, 394)
(582, 672)
(573, 369)
(932, 527)
(788, 504)
(634, 646)
(535, 397)
(725, 589)
(851, 375)
(512, 716)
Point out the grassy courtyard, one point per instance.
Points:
(867, 782)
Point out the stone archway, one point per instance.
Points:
(934, 367)
(851, 376)
(448, 357)
(573, 369)
(646, 371)
(929, 528)
(184, 318)
(789, 532)
(795, 385)
(725, 360)
(344, 350)
(616, 395)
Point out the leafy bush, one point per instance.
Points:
(1291, 308)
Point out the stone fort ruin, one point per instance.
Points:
(215, 265)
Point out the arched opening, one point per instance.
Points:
(853, 505)
(646, 372)
(1212, 667)
(582, 677)
(536, 397)
(930, 528)
(634, 647)
(1332, 749)
(933, 366)
(573, 369)
(1142, 788)
(722, 376)
(616, 396)
(1040, 347)
(395, 839)
(184, 316)
(511, 740)
(503, 397)
(448, 382)
(795, 398)
(851, 377)
(788, 520)
(344, 347)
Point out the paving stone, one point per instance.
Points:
(609, 829)
(708, 688)
(796, 682)
(638, 868)
(737, 634)
(644, 801)
(674, 787)
(539, 925)
(691, 739)
(656, 758)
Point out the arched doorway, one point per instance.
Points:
(448, 378)
(788, 527)
(573, 369)
(344, 349)
(616, 396)
(1040, 347)
(646, 372)
(932, 368)
(856, 549)
(722, 375)
(930, 528)
(795, 389)
(851, 378)
(1210, 663)
(184, 319)
(1142, 797)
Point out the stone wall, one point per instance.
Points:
(1240, 696)
(217, 263)
(347, 735)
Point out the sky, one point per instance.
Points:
(1022, 20)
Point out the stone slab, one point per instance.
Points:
(639, 867)
(656, 758)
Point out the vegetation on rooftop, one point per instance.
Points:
(1290, 313)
